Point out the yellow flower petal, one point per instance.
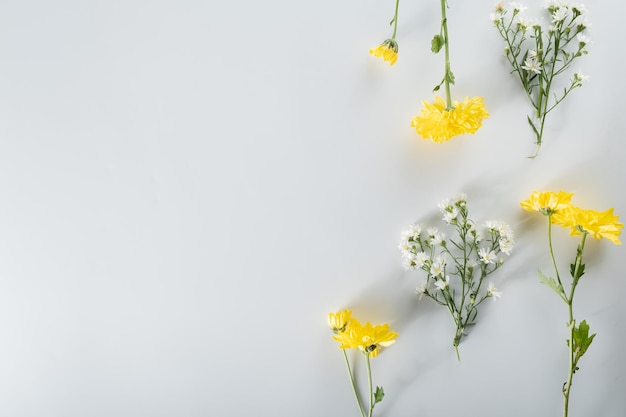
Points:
(547, 202)
(598, 224)
(388, 51)
(339, 321)
(368, 339)
(440, 124)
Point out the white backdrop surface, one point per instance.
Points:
(190, 187)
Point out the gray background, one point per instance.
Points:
(189, 188)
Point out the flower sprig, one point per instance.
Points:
(557, 207)
(539, 55)
(369, 340)
(456, 268)
(443, 120)
(388, 49)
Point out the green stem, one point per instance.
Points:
(395, 21)
(446, 43)
(369, 379)
(544, 93)
(356, 395)
(572, 323)
(556, 269)
(568, 385)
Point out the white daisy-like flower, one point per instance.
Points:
(444, 205)
(525, 23)
(518, 7)
(412, 232)
(451, 215)
(422, 289)
(496, 16)
(487, 256)
(493, 291)
(532, 65)
(554, 4)
(437, 238)
(438, 267)
(560, 14)
(582, 38)
(460, 198)
(443, 284)
(580, 77)
(406, 249)
(478, 235)
(578, 7)
(431, 231)
(505, 231)
(421, 258)
(506, 245)
(581, 22)
(492, 225)
(407, 263)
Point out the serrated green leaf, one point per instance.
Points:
(582, 340)
(378, 395)
(436, 44)
(551, 282)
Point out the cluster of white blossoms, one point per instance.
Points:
(541, 50)
(479, 250)
(567, 20)
(455, 265)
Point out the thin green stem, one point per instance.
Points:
(577, 273)
(568, 385)
(395, 21)
(369, 379)
(446, 43)
(556, 269)
(356, 394)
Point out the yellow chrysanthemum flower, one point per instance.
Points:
(388, 50)
(547, 202)
(368, 339)
(598, 224)
(440, 124)
(339, 321)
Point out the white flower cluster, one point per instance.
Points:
(456, 265)
(539, 52)
(566, 21)
(428, 249)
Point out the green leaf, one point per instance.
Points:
(532, 125)
(450, 77)
(437, 43)
(581, 270)
(439, 86)
(551, 282)
(378, 395)
(582, 340)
